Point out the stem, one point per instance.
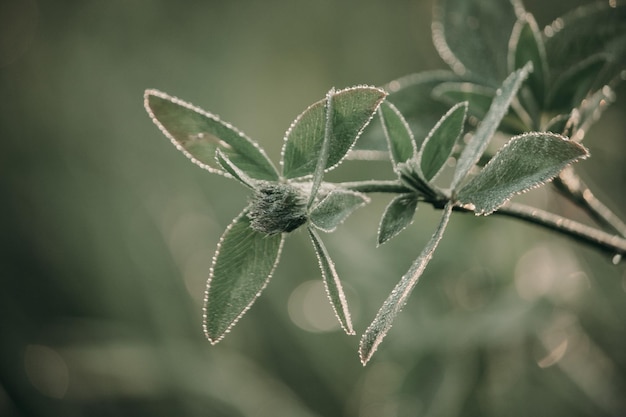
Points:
(572, 187)
(376, 186)
(606, 242)
(599, 239)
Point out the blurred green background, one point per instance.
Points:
(108, 232)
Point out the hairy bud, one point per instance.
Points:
(277, 208)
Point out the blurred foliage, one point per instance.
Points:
(107, 232)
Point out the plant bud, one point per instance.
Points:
(277, 208)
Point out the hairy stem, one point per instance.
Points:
(606, 242)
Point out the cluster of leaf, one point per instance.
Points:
(536, 86)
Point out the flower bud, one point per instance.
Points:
(277, 208)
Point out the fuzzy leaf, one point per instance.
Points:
(383, 321)
(227, 165)
(499, 107)
(397, 216)
(242, 266)
(573, 85)
(438, 146)
(335, 208)
(472, 36)
(411, 96)
(478, 96)
(198, 134)
(322, 156)
(352, 110)
(334, 289)
(526, 45)
(594, 28)
(398, 134)
(526, 162)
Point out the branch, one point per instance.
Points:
(606, 242)
(611, 244)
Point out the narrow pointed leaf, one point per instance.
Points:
(242, 266)
(352, 110)
(499, 107)
(398, 134)
(526, 45)
(412, 97)
(335, 208)
(438, 146)
(333, 286)
(472, 36)
(198, 134)
(397, 216)
(227, 165)
(322, 157)
(526, 162)
(383, 321)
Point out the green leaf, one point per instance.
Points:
(412, 97)
(397, 216)
(526, 45)
(242, 266)
(479, 97)
(499, 107)
(398, 134)
(198, 134)
(227, 165)
(472, 36)
(438, 146)
(598, 27)
(334, 289)
(383, 321)
(322, 157)
(352, 110)
(573, 85)
(335, 208)
(526, 162)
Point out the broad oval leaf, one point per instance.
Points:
(198, 134)
(242, 266)
(438, 146)
(472, 36)
(397, 216)
(353, 108)
(526, 162)
(383, 321)
(398, 134)
(335, 208)
(332, 284)
(498, 109)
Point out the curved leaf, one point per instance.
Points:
(383, 321)
(526, 162)
(397, 216)
(353, 108)
(472, 36)
(333, 286)
(242, 266)
(499, 107)
(198, 134)
(574, 84)
(599, 27)
(438, 146)
(398, 134)
(526, 45)
(335, 208)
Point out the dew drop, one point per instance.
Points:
(617, 258)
